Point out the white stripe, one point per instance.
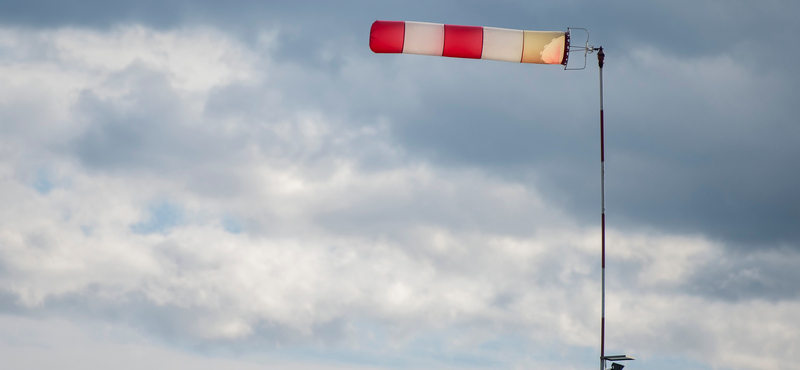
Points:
(424, 38)
(502, 44)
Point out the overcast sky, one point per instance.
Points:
(245, 185)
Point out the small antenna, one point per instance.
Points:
(585, 48)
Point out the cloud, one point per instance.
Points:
(714, 165)
(477, 114)
(367, 221)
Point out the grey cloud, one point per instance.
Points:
(90, 13)
(770, 276)
(675, 163)
(672, 163)
(148, 131)
(746, 198)
(685, 27)
(707, 159)
(145, 129)
(178, 325)
(727, 276)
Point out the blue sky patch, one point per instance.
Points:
(231, 225)
(161, 218)
(43, 184)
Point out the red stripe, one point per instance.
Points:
(387, 36)
(463, 41)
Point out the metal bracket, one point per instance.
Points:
(586, 48)
(618, 358)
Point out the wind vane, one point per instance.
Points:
(539, 47)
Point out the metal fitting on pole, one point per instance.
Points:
(601, 56)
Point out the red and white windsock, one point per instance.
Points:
(469, 42)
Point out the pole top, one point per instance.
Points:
(601, 56)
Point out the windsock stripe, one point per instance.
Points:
(424, 38)
(543, 47)
(387, 36)
(468, 42)
(502, 44)
(463, 41)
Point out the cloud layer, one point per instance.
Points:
(221, 192)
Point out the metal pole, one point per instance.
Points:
(600, 60)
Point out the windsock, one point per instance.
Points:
(469, 42)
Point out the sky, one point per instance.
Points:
(245, 185)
